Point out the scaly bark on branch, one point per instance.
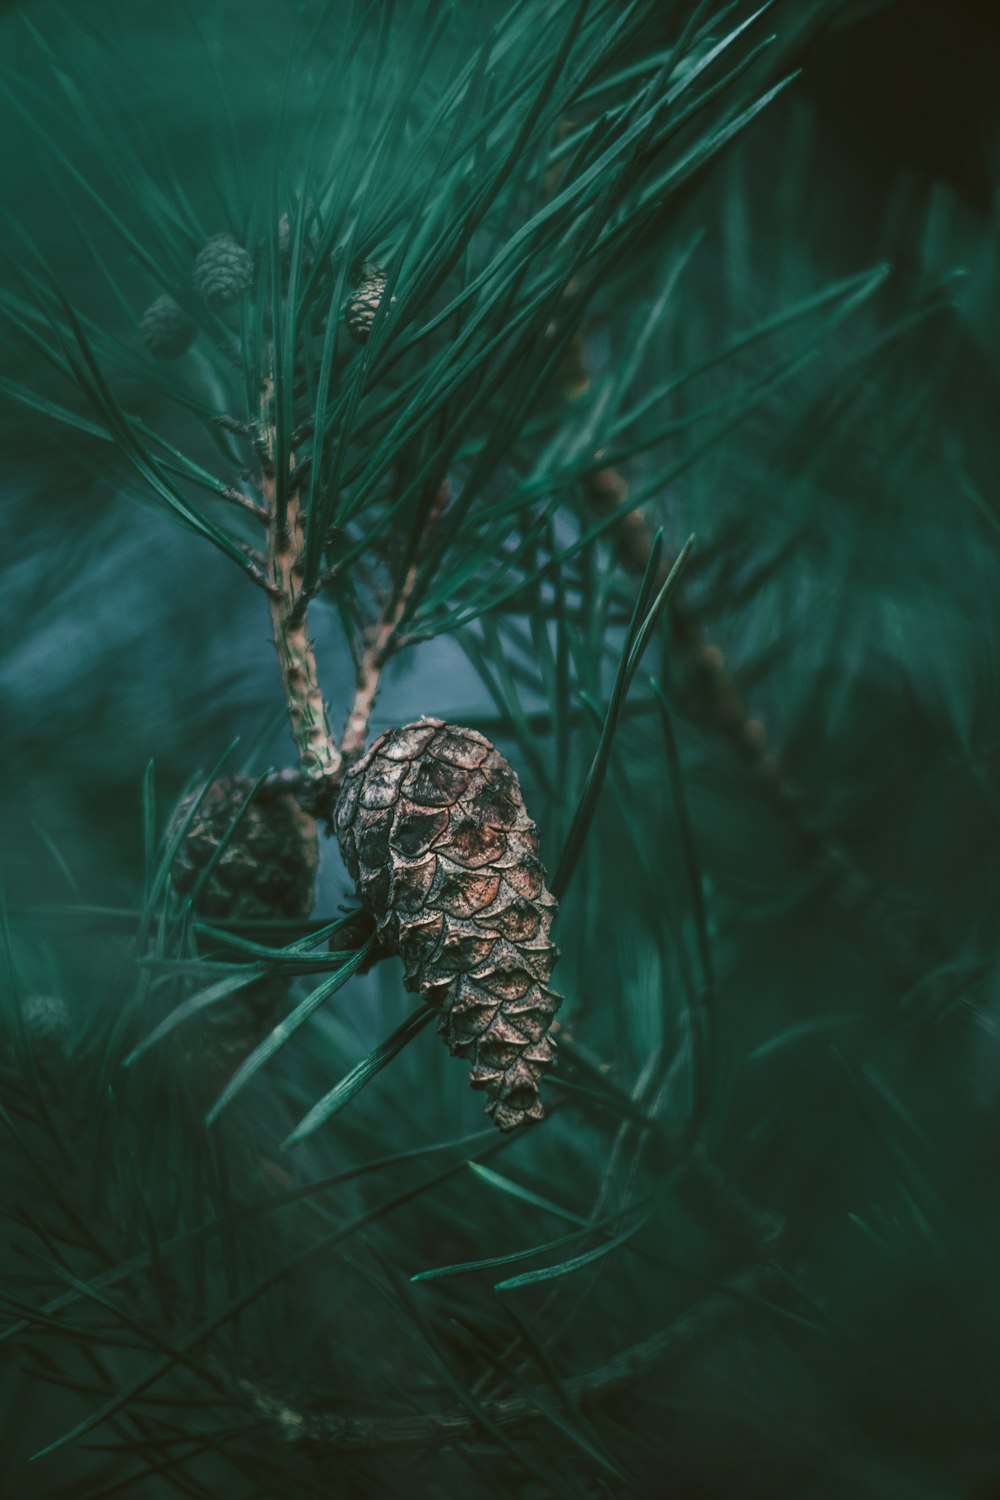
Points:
(319, 758)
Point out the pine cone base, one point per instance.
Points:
(433, 829)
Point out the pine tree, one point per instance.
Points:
(578, 619)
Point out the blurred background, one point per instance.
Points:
(847, 560)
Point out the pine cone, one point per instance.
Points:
(268, 868)
(266, 871)
(167, 330)
(364, 303)
(223, 270)
(433, 828)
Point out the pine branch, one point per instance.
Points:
(237, 497)
(323, 1433)
(383, 640)
(608, 492)
(319, 758)
(725, 709)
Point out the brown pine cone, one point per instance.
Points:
(364, 303)
(433, 828)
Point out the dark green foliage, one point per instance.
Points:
(751, 1249)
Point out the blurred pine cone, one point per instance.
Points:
(46, 1020)
(266, 871)
(223, 270)
(433, 828)
(268, 867)
(167, 330)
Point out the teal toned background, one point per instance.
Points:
(847, 562)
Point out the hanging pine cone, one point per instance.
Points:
(167, 330)
(223, 270)
(433, 828)
(364, 303)
(267, 870)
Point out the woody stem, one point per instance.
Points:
(889, 936)
(381, 641)
(608, 492)
(324, 1433)
(319, 758)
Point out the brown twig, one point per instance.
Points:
(382, 640)
(237, 497)
(886, 934)
(608, 492)
(319, 758)
(324, 1433)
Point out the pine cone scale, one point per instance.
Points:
(416, 829)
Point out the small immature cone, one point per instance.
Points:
(167, 330)
(223, 271)
(433, 828)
